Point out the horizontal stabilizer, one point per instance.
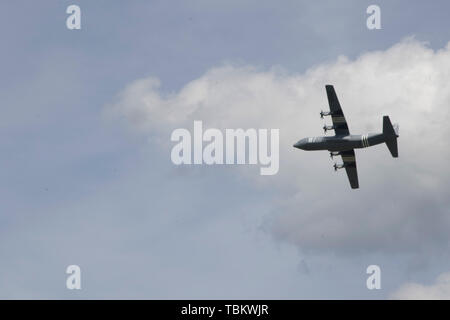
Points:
(392, 146)
(390, 133)
(388, 128)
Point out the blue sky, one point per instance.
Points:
(78, 186)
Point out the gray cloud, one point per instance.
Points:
(401, 204)
(439, 290)
(77, 190)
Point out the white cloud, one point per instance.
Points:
(440, 290)
(402, 203)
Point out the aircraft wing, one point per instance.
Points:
(340, 125)
(348, 157)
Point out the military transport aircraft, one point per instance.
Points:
(343, 143)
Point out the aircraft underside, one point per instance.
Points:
(343, 143)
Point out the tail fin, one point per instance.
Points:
(391, 133)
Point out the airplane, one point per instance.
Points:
(343, 143)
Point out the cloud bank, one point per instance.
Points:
(402, 204)
(440, 290)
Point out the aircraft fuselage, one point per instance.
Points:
(341, 142)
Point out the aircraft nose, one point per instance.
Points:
(300, 144)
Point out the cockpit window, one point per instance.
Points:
(315, 139)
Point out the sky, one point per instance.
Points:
(87, 179)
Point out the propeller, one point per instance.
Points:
(326, 128)
(325, 113)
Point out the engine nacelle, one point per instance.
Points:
(326, 128)
(334, 153)
(338, 166)
(325, 113)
